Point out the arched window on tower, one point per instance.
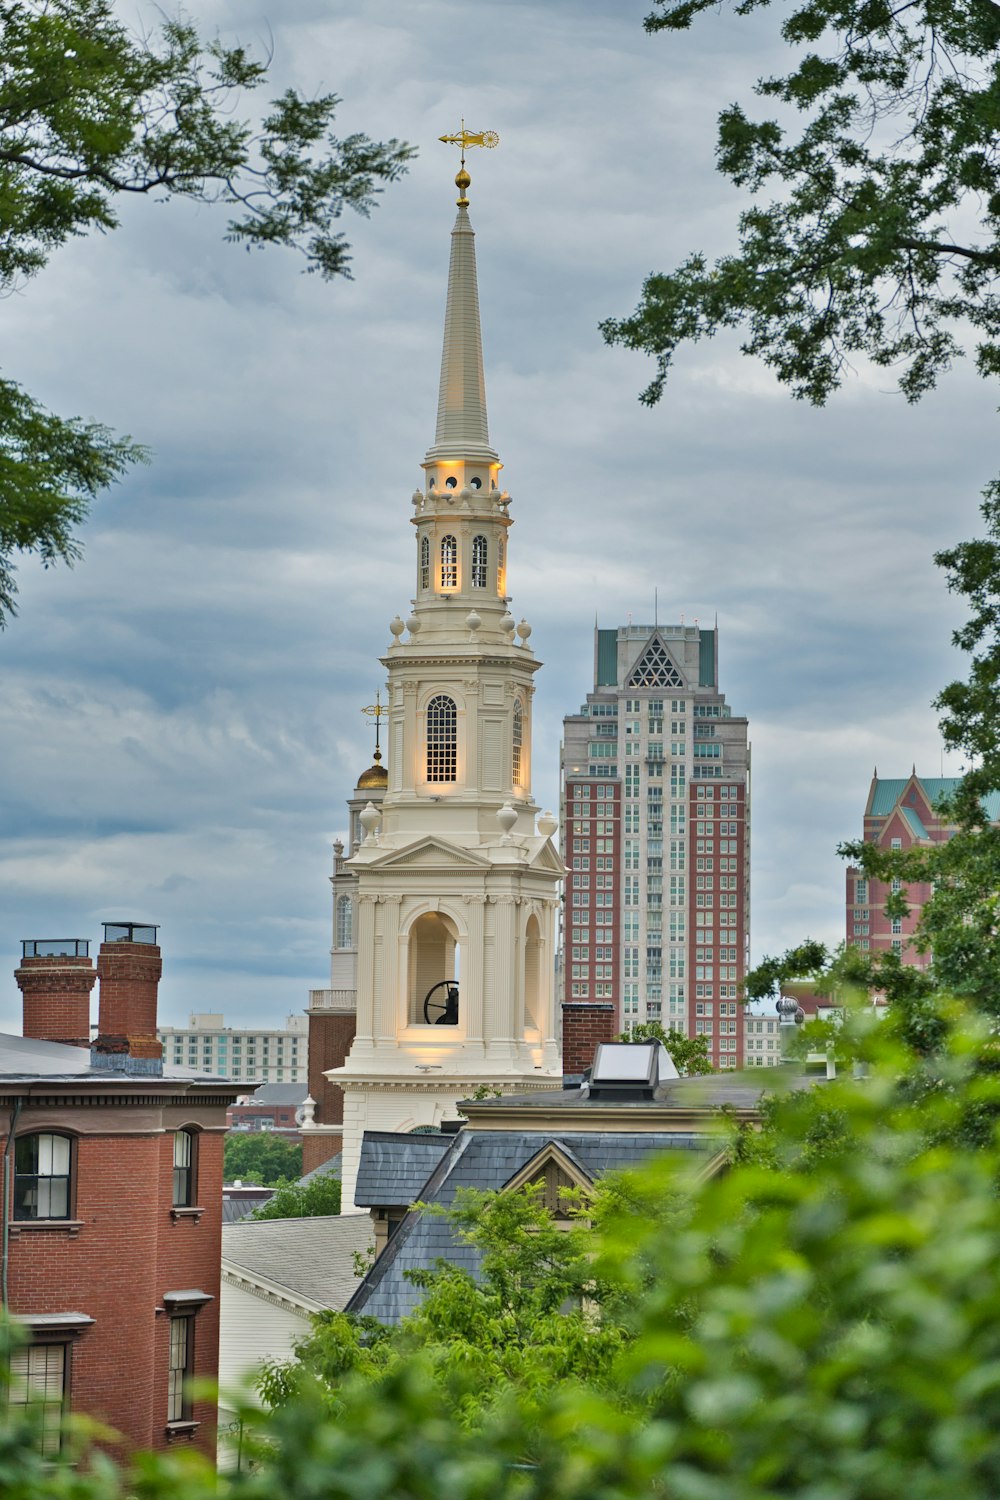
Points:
(532, 973)
(501, 581)
(425, 562)
(449, 563)
(442, 739)
(345, 922)
(478, 562)
(518, 741)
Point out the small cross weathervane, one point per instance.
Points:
(376, 711)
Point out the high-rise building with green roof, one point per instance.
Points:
(656, 838)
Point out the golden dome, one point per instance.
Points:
(376, 776)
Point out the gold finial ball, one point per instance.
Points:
(462, 180)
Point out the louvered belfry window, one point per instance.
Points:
(442, 739)
(518, 741)
(449, 563)
(478, 562)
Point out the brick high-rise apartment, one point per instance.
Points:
(656, 837)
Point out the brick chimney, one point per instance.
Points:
(129, 968)
(332, 1023)
(585, 1023)
(56, 977)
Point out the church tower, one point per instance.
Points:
(457, 877)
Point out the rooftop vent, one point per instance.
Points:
(629, 1070)
(55, 948)
(129, 932)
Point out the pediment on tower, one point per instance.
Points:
(546, 857)
(430, 853)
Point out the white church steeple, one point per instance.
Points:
(462, 426)
(457, 887)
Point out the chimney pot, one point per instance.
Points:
(55, 978)
(585, 1024)
(129, 967)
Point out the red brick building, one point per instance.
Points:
(333, 1012)
(274, 1107)
(899, 814)
(112, 1184)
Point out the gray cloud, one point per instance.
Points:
(181, 720)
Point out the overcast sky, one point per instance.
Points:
(181, 717)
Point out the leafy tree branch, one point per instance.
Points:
(90, 112)
(857, 254)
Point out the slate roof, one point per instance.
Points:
(238, 1203)
(488, 1159)
(25, 1058)
(737, 1088)
(280, 1093)
(312, 1258)
(334, 1166)
(394, 1168)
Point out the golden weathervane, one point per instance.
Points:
(377, 711)
(464, 138)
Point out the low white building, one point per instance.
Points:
(255, 1053)
(276, 1273)
(761, 1035)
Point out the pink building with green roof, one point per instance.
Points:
(899, 814)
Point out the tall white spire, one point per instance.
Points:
(457, 877)
(462, 429)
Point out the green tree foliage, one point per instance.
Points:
(959, 927)
(874, 230)
(528, 1319)
(874, 227)
(310, 1200)
(50, 471)
(825, 1323)
(689, 1053)
(91, 113)
(260, 1156)
(960, 924)
(827, 1329)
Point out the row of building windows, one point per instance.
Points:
(270, 1047)
(43, 1174)
(448, 563)
(39, 1379)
